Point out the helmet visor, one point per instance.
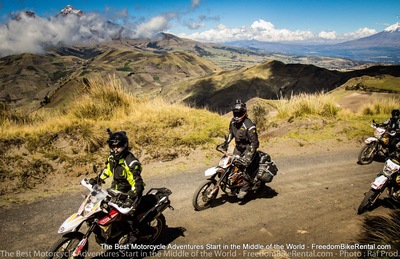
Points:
(114, 143)
(238, 114)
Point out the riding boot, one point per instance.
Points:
(132, 238)
(244, 190)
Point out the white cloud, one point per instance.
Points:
(195, 3)
(262, 25)
(265, 31)
(360, 33)
(329, 35)
(33, 34)
(154, 25)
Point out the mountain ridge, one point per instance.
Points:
(380, 47)
(179, 69)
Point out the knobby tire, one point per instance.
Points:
(201, 194)
(368, 201)
(367, 154)
(66, 245)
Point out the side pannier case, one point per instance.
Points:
(267, 168)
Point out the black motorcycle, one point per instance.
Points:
(228, 176)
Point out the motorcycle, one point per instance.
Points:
(228, 176)
(388, 179)
(376, 145)
(105, 214)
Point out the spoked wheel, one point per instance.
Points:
(66, 245)
(367, 154)
(155, 229)
(369, 200)
(202, 198)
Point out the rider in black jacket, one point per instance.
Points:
(244, 131)
(393, 124)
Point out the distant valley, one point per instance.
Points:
(383, 47)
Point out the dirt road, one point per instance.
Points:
(311, 202)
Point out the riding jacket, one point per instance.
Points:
(245, 135)
(126, 173)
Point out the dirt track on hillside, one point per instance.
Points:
(312, 201)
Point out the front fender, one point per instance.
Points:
(212, 171)
(379, 182)
(370, 140)
(72, 223)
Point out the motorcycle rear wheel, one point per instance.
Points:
(367, 154)
(201, 198)
(369, 200)
(66, 245)
(158, 225)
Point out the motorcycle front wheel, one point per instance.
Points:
(65, 246)
(369, 200)
(202, 197)
(367, 154)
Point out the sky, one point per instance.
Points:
(300, 21)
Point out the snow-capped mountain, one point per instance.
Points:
(70, 9)
(389, 37)
(393, 28)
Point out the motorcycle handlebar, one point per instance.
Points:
(219, 148)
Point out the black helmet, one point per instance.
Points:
(395, 113)
(118, 140)
(239, 111)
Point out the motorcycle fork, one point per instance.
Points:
(84, 240)
(219, 185)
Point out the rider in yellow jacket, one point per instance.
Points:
(125, 170)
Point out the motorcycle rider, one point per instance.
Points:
(243, 130)
(393, 124)
(126, 170)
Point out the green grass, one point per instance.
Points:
(384, 83)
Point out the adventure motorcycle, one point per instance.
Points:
(228, 176)
(388, 179)
(105, 214)
(377, 145)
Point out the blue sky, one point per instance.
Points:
(219, 20)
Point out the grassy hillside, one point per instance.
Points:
(64, 143)
(269, 80)
(30, 81)
(68, 140)
(382, 83)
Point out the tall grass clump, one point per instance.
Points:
(304, 105)
(259, 113)
(11, 117)
(380, 107)
(166, 129)
(381, 230)
(104, 99)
